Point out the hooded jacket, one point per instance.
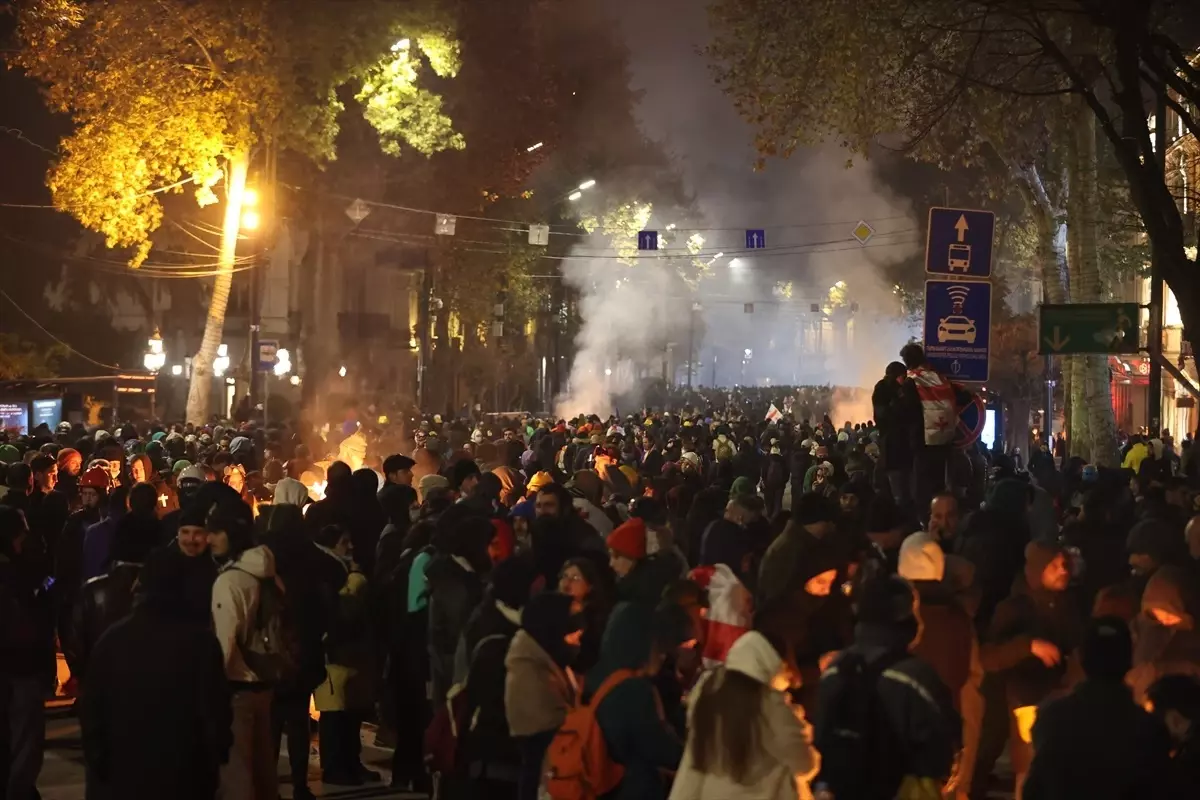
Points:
(537, 692)
(235, 596)
(630, 716)
(454, 592)
(1032, 612)
(1159, 650)
(290, 491)
(104, 600)
(786, 760)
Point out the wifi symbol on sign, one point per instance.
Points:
(958, 295)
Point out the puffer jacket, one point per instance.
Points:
(103, 601)
(454, 592)
(786, 760)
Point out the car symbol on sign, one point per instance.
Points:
(956, 329)
(959, 257)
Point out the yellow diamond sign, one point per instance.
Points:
(863, 232)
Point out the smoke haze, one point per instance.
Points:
(808, 205)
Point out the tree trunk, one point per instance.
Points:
(1051, 259)
(200, 390)
(1095, 388)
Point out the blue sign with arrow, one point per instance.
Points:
(756, 239)
(647, 240)
(958, 317)
(960, 242)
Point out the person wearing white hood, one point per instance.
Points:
(745, 738)
(250, 773)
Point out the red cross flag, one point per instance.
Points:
(774, 414)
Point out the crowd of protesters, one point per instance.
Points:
(696, 605)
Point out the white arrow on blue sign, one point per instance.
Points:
(960, 242)
(756, 239)
(958, 317)
(268, 354)
(647, 240)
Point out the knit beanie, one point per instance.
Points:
(921, 558)
(629, 539)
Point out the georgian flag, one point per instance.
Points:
(774, 414)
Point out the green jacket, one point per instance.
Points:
(630, 717)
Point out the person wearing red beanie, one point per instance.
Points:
(627, 546)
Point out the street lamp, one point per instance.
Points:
(221, 362)
(583, 187)
(177, 370)
(155, 357)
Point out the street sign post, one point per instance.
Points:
(1088, 328)
(539, 234)
(756, 239)
(862, 232)
(960, 242)
(268, 351)
(647, 240)
(958, 317)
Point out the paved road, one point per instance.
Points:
(62, 775)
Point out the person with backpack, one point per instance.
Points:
(616, 742)
(745, 738)
(539, 686)
(249, 622)
(884, 719)
(345, 697)
(155, 720)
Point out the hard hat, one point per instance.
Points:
(96, 477)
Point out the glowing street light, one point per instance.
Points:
(177, 370)
(342, 372)
(283, 363)
(573, 196)
(250, 219)
(155, 356)
(221, 362)
(533, 147)
(583, 187)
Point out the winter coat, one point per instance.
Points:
(349, 668)
(1158, 650)
(630, 716)
(786, 759)
(1029, 613)
(894, 445)
(915, 699)
(537, 692)
(97, 541)
(1097, 743)
(491, 618)
(454, 592)
(235, 598)
(994, 540)
(105, 600)
(26, 620)
(488, 749)
(648, 579)
(947, 637)
(68, 564)
(156, 719)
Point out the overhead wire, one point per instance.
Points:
(42, 328)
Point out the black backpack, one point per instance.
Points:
(862, 757)
(271, 645)
(393, 598)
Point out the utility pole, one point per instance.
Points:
(423, 326)
(1154, 345)
(696, 307)
(263, 262)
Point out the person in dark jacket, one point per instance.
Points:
(499, 614)
(994, 540)
(1166, 641)
(1152, 543)
(641, 576)
(1175, 700)
(1097, 742)
(559, 534)
(98, 538)
(637, 736)
(908, 688)
(313, 581)
(158, 670)
(455, 577)
(68, 558)
(1032, 635)
(590, 591)
(26, 656)
(107, 598)
(895, 448)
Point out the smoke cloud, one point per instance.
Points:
(757, 325)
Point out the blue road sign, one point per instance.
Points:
(756, 239)
(268, 350)
(958, 317)
(647, 240)
(960, 242)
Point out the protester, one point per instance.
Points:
(155, 719)
(1166, 641)
(1175, 701)
(745, 739)
(1097, 742)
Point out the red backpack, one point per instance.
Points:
(578, 766)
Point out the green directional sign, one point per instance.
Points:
(1088, 328)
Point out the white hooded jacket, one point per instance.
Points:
(786, 760)
(235, 605)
